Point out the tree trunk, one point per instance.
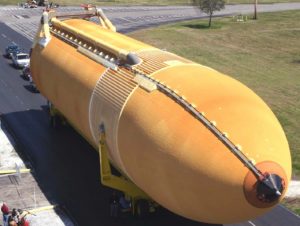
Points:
(255, 10)
(210, 16)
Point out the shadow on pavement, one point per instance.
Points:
(31, 88)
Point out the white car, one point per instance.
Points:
(20, 60)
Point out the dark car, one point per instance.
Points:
(12, 49)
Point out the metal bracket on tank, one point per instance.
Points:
(145, 83)
(43, 36)
(104, 21)
(97, 58)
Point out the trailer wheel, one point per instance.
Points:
(52, 121)
(142, 208)
(55, 121)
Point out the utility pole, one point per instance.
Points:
(255, 10)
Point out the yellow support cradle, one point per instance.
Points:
(118, 182)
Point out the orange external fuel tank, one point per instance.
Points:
(198, 142)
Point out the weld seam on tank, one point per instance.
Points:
(123, 165)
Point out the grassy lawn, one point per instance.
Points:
(263, 54)
(259, 1)
(139, 2)
(293, 204)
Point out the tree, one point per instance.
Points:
(255, 10)
(209, 7)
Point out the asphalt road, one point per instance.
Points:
(66, 166)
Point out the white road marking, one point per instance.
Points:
(250, 222)
(3, 35)
(20, 100)
(18, 16)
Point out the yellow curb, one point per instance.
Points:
(51, 207)
(14, 171)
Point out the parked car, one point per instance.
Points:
(30, 4)
(20, 60)
(43, 3)
(11, 49)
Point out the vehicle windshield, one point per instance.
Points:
(22, 57)
(13, 46)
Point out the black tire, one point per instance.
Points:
(55, 122)
(52, 122)
(142, 208)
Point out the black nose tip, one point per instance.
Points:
(269, 188)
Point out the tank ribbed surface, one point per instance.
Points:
(154, 60)
(109, 96)
(115, 87)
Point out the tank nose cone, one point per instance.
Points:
(268, 190)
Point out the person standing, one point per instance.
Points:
(114, 204)
(5, 213)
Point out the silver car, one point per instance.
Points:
(20, 60)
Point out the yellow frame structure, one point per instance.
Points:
(120, 183)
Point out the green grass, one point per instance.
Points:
(263, 54)
(140, 2)
(293, 204)
(259, 1)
